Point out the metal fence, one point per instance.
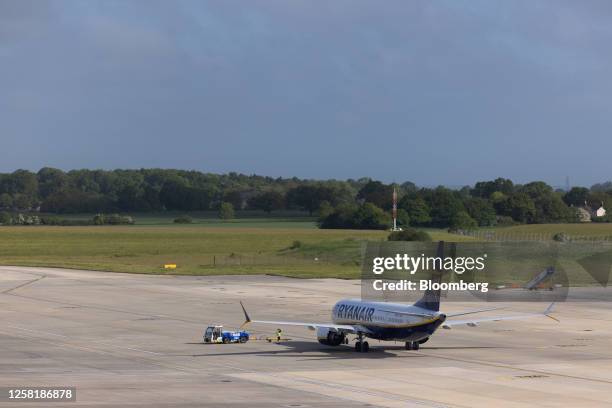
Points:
(501, 235)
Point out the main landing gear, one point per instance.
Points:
(412, 345)
(360, 345)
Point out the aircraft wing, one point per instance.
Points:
(309, 325)
(472, 312)
(474, 322)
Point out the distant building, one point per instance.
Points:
(586, 213)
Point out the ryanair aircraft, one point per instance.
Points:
(412, 324)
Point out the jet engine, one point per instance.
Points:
(329, 337)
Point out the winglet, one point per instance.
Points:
(549, 310)
(247, 319)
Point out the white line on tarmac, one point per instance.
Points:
(91, 341)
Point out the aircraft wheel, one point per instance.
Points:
(358, 346)
(415, 345)
(365, 347)
(408, 345)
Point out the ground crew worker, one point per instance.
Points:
(279, 333)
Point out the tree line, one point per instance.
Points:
(362, 203)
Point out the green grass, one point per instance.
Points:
(247, 247)
(546, 231)
(245, 219)
(212, 247)
(196, 249)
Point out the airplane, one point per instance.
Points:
(412, 324)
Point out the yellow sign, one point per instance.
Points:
(170, 266)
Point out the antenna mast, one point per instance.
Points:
(395, 210)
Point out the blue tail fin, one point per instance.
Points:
(431, 298)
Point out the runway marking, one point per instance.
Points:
(109, 353)
(8, 291)
(332, 387)
(91, 341)
(509, 367)
(106, 309)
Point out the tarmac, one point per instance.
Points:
(136, 340)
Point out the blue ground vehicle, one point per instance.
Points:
(216, 334)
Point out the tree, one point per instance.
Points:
(176, 194)
(226, 211)
(597, 198)
(377, 193)
(520, 207)
(325, 209)
(462, 220)
(309, 197)
(51, 181)
(497, 197)
(551, 208)
(536, 189)
(416, 209)
(577, 196)
(409, 234)
(183, 219)
(403, 219)
(607, 186)
(75, 201)
(6, 201)
(341, 217)
(268, 201)
(484, 189)
(98, 219)
(22, 182)
(234, 198)
(481, 210)
(364, 216)
(5, 218)
(408, 187)
(444, 204)
(22, 201)
(369, 216)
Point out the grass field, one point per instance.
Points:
(236, 247)
(243, 246)
(583, 229)
(251, 218)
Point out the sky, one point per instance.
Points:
(435, 92)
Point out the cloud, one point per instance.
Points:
(359, 87)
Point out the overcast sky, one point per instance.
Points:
(437, 92)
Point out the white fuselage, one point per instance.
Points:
(357, 312)
(387, 321)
